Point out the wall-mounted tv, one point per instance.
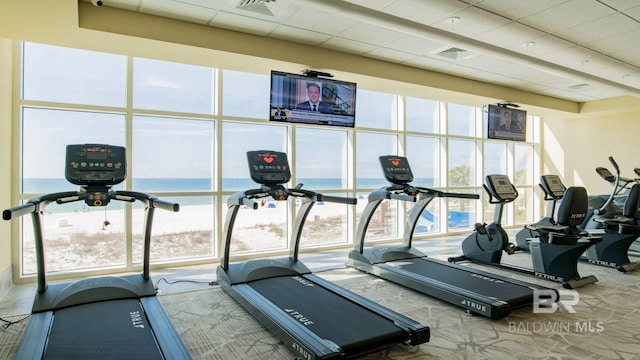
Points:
(312, 100)
(505, 123)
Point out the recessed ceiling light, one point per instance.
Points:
(529, 44)
(453, 20)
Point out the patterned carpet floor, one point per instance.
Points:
(605, 324)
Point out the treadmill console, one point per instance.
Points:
(396, 169)
(552, 185)
(500, 187)
(268, 167)
(95, 164)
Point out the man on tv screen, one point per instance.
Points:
(506, 124)
(314, 103)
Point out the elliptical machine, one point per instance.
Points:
(553, 190)
(618, 226)
(554, 252)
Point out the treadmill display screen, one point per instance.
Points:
(95, 164)
(396, 169)
(500, 187)
(268, 167)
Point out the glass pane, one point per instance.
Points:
(523, 206)
(45, 136)
(77, 236)
(461, 120)
(326, 224)
(235, 169)
(429, 221)
(172, 154)
(462, 163)
(495, 159)
(423, 154)
(384, 221)
(376, 110)
(423, 115)
(245, 95)
(59, 74)
(369, 147)
(462, 212)
(169, 86)
(523, 155)
(187, 233)
(259, 230)
(326, 169)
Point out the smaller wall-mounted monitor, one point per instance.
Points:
(505, 123)
(312, 100)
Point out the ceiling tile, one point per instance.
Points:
(472, 22)
(612, 44)
(315, 20)
(518, 9)
(299, 35)
(424, 12)
(511, 36)
(414, 45)
(347, 45)
(557, 17)
(371, 34)
(604, 27)
(242, 23)
(390, 55)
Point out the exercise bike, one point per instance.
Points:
(553, 190)
(554, 252)
(618, 225)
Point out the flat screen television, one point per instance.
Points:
(312, 100)
(505, 123)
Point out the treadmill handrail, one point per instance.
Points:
(36, 205)
(309, 198)
(422, 198)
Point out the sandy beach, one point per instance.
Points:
(75, 240)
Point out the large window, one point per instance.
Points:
(187, 129)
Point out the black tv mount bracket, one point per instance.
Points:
(315, 74)
(508, 105)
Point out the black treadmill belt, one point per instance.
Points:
(467, 279)
(330, 316)
(116, 329)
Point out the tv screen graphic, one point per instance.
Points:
(506, 123)
(312, 100)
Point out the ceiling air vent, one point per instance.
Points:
(453, 53)
(258, 6)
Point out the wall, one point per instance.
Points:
(575, 145)
(5, 162)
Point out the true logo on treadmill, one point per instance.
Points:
(301, 351)
(302, 281)
(136, 319)
(298, 316)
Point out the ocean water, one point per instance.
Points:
(153, 185)
(47, 185)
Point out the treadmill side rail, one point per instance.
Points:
(35, 336)
(300, 340)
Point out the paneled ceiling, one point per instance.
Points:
(579, 50)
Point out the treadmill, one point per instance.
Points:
(476, 291)
(105, 317)
(313, 317)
